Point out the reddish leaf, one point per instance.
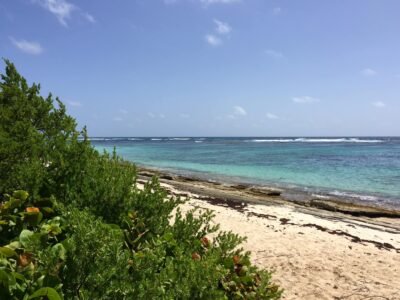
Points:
(32, 209)
(205, 242)
(236, 259)
(196, 256)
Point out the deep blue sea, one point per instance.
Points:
(359, 168)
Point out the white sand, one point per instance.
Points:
(310, 263)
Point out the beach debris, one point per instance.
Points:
(353, 238)
(265, 216)
(285, 221)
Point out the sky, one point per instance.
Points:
(213, 67)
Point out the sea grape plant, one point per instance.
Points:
(31, 249)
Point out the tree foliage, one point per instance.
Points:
(78, 227)
(41, 151)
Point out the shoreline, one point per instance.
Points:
(261, 194)
(314, 251)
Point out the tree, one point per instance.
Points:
(33, 133)
(42, 152)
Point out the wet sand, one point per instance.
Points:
(318, 249)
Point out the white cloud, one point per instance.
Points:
(207, 2)
(204, 2)
(62, 10)
(239, 111)
(184, 116)
(272, 116)
(277, 10)
(305, 99)
(117, 119)
(368, 72)
(33, 48)
(123, 111)
(378, 104)
(153, 115)
(89, 17)
(74, 103)
(274, 54)
(222, 27)
(213, 40)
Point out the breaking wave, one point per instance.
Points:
(316, 140)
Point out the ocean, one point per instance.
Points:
(365, 169)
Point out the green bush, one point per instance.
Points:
(102, 183)
(104, 238)
(97, 259)
(41, 151)
(178, 259)
(31, 252)
(33, 134)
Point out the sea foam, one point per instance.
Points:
(179, 139)
(315, 140)
(354, 195)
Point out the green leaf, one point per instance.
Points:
(59, 251)
(25, 237)
(4, 279)
(14, 245)
(7, 252)
(18, 276)
(52, 228)
(48, 292)
(114, 226)
(47, 210)
(33, 218)
(11, 204)
(22, 195)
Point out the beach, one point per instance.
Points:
(317, 249)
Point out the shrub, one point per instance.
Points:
(41, 151)
(97, 259)
(179, 260)
(33, 134)
(102, 183)
(32, 252)
(105, 239)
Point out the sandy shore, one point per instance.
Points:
(317, 251)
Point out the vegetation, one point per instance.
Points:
(77, 226)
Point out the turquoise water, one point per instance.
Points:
(367, 169)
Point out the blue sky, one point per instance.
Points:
(213, 67)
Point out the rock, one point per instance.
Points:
(265, 191)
